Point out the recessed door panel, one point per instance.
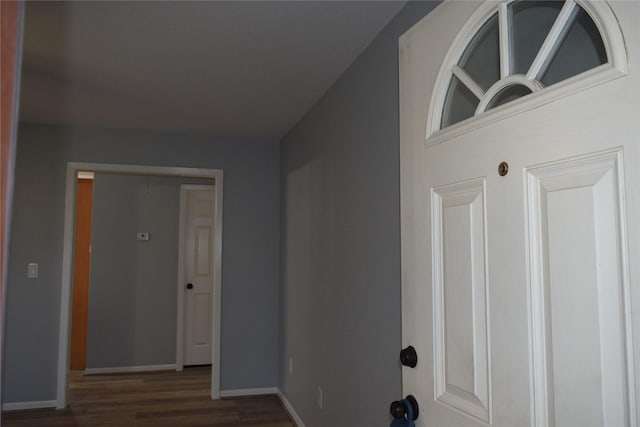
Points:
(203, 251)
(578, 287)
(202, 328)
(460, 298)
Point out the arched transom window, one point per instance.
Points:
(518, 48)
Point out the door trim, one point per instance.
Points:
(181, 273)
(67, 260)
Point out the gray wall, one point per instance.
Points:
(132, 292)
(249, 259)
(340, 244)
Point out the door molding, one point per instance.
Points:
(184, 188)
(67, 260)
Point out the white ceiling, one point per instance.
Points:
(233, 69)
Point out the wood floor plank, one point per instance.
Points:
(158, 399)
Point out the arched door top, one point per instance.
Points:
(514, 55)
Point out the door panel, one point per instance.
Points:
(472, 283)
(580, 346)
(81, 263)
(201, 307)
(199, 273)
(518, 290)
(203, 251)
(460, 304)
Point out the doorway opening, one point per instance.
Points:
(214, 258)
(195, 275)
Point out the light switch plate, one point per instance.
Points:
(32, 270)
(142, 235)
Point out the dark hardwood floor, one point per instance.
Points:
(166, 398)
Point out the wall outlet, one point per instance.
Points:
(142, 235)
(320, 398)
(291, 366)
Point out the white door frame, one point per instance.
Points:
(181, 271)
(67, 260)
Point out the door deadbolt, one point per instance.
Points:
(503, 168)
(409, 357)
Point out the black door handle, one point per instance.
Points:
(399, 408)
(189, 285)
(409, 357)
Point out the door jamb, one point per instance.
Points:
(67, 260)
(184, 188)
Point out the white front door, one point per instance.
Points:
(520, 243)
(198, 267)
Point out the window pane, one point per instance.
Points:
(481, 59)
(531, 22)
(509, 94)
(581, 50)
(459, 104)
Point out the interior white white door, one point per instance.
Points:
(199, 274)
(520, 292)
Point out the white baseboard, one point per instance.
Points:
(124, 369)
(289, 407)
(248, 392)
(20, 406)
